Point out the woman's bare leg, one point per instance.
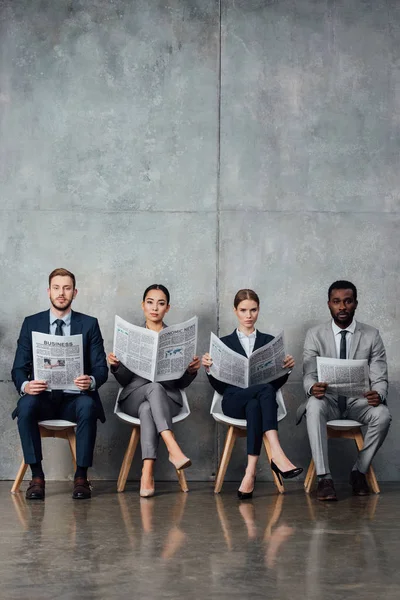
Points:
(247, 484)
(147, 479)
(174, 450)
(277, 453)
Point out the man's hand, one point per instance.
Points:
(83, 382)
(318, 389)
(373, 398)
(288, 363)
(113, 360)
(35, 387)
(194, 366)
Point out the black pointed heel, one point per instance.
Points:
(285, 474)
(246, 495)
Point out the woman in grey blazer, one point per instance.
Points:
(154, 403)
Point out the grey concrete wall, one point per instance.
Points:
(209, 146)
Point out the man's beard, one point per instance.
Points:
(63, 308)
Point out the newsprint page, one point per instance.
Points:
(263, 366)
(161, 356)
(345, 377)
(58, 360)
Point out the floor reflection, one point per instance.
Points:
(198, 544)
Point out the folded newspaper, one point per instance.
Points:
(263, 366)
(344, 377)
(156, 356)
(57, 360)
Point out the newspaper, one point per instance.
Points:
(156, 356)
(57, 360)
(345, 377)
(263, 366)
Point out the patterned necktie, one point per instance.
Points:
(343, 354)
(59, 329)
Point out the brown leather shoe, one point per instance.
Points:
(359, 483)
(326, 490)
(36, 489)
(82, 489)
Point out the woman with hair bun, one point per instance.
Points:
(154, 403)
(257, 403)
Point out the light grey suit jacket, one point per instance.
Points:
(366, 343)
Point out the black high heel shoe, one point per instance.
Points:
(246, 495)
(285, 474)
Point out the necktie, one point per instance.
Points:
(343, 354)
(60, 323)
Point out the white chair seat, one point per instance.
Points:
(218, 415)
(183, 413)
(56, 424)
(343, 424)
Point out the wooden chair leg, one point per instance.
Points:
(371, 477)
(18, 480)
(226, 455)
(278, 484)
(128, 458)
(182, 480)
(72, 445)
(310, 477)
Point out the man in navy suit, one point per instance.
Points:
(37, 403)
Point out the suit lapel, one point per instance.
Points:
(330, 341)
(236, 345)
(355, 341)
(76, 323)
(260, 340)
(43, 322)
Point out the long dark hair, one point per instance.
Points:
(156, 286)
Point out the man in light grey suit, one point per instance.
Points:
(344, 337)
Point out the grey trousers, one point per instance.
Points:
(318, 412)
(155, 409)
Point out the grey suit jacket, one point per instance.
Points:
(366, 343)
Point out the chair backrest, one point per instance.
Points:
(183, 413)
(216, 408)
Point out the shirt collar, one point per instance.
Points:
(351, 328)
(66, 319)
(243, 336)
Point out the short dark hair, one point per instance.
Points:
(156, 286)
(62, 273)
(245, 295)
(342, 284)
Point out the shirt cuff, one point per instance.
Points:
(22, 390)
(93, 384)
(309, 394)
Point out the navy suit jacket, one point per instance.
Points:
(94, 358)
(233, 342)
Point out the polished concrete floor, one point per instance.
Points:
(198, 545)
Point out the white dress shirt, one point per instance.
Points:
(338, 338)
(247, 341)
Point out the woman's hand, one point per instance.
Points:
(288, 363)
(194, 366)
(206, 361)
(113, 360)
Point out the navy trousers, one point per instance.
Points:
(79, 408)
(257, 404)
